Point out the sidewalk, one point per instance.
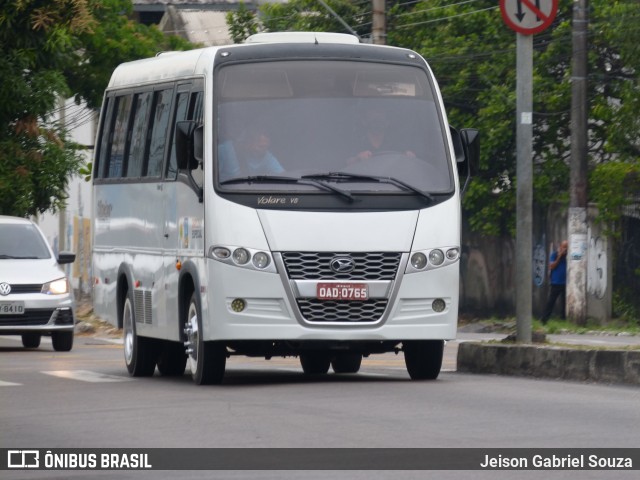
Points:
(603, 357)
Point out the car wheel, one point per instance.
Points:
(31, 340)
(423, 358)
(207, 360)
(139, 352)
(172, 359)
(62, 341)
(315, 363)
(346, 362)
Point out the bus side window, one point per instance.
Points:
(135, 157)
(182, 103)
(122, 108)
(196, 113)
(162, 108)
(106, 128)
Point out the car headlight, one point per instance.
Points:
(240, 256)
(261, 260)
(436, 257)
(57, 287)
(418, 260)
(424, 260)
(243, 257)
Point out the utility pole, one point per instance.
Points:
(577, 222)
(524, 185)
(379, 26)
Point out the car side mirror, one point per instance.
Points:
(66, 257)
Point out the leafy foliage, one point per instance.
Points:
(53, 49)
(242, 23)
(473, 55)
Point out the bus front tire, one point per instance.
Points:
(423, 358)
(207, 360)
(139, 353)
(315, 363)
(346, 363)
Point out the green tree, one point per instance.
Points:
(472, 53)
(242, 23)
(53, 49)
(312, 16)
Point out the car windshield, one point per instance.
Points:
(22, 242)
(313, 119)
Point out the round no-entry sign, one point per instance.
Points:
(528, 16)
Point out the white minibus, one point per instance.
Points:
(296, 195)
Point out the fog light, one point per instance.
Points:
(418, 261)
(436, 257)
(438, 305)
(238, 305)
(240, 256)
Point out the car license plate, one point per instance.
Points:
(11, 308)
(342, 291)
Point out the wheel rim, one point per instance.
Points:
(127, 323)
(192, 338)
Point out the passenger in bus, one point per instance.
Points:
(248, 155)
(376, 140)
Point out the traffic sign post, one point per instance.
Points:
(525, 17)
(528, 16)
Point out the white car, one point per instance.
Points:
(35, 294)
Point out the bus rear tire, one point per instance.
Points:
(207, 360)
(346, 363)
(172, 359)
(139, 353)
(315, 363)
(423, 358)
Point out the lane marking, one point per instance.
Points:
(87, 376)
(8, 384)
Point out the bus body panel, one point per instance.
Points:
(161, 240)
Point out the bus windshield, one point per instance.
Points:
(315, 119)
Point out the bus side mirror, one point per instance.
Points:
(188, 145)
(466, 148)
(471, 145)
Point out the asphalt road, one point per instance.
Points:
(84, 398)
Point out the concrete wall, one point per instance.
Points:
(488, 268)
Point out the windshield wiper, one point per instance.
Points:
(299, 181)
(14, 257)
(353, 176)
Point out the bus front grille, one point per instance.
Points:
(317, 265)
(368, 311)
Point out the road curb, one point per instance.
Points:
(543, 361)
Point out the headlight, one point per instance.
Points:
(436, 257)
(240, 256)
(418, 260)
(244, 257)
(261, 260)
(57, 287)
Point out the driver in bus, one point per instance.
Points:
(248, 155)
(375, 141)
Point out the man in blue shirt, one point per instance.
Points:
(558, 280)
(247, 157)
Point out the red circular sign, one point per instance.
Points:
(528, 16)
